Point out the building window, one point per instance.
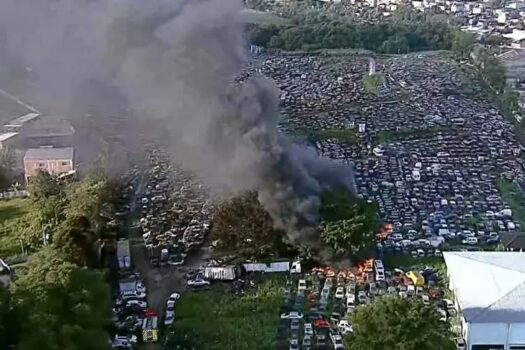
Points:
(488, 347)
(64, 163)
(41, 165)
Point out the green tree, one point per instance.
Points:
(242, 224)
(396, 323)
(509, 101)
(42, 186)
(350, 236)
(10, 321)
(348, 223)
(75, 239)
(66, 305)
(491, 69)
(462, 43)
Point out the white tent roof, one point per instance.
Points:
(516, 35)
(489, 286)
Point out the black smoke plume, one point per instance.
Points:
(172, 62)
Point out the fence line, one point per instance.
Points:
(14, 194)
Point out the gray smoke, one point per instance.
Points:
(172, 62)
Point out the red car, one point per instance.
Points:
(321, 324)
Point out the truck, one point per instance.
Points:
(224, 273)
(150, 327)
(123, 254)
(277, 266)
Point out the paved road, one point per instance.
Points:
(160, 281)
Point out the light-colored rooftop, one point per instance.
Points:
(489, 286)
(516, 35)
(22, 120)
(50, 153)
(7, 135)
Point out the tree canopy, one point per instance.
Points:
(243, 225)
(396, 323)
(349, 224)
(408, 30)
(58, 301)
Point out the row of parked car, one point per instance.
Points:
(128, 313)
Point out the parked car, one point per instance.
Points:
(361, 297)
(136, 303)
(460, 344)
(337, 341)
(307, 341)
(292, 315)
(301, 287)
(294, 324)
(339, 293)
(198, 283)
(345, 327)
(169, 318)
(174, 296)
(308, 330)
(294, 344)
(470, 241)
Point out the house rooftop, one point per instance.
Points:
(18, 122)
(7, 135)
(489, 286)
(50, 153)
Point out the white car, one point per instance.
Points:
(470, 241)
(308, 330)
(449, 303)
(301, 287)
(133, 295)
(345, 327)
(443, 314)
(198, 283)
(170, 306)
(339, 293)
(139, 303)
(337, 341)
(425, 299)
(350, 289)
(174, 296)
(350, 300)
(292, 315)
(361, 297)
(169, 318)
(380, 275)
(140, 287)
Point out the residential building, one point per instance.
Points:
(55, 161)
(489, 290)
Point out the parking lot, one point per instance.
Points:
(428, 147)
(317, 307)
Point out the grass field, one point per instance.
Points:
(10, 212)
(349, 136)
(219, 320)
(407, 261)
(386, 136)
(514, 197)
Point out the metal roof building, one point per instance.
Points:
(50, 153)
(489, 289)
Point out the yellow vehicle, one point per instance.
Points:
(416, 278)
(149, 327)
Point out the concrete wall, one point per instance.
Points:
(512, 334)
(54, 167)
